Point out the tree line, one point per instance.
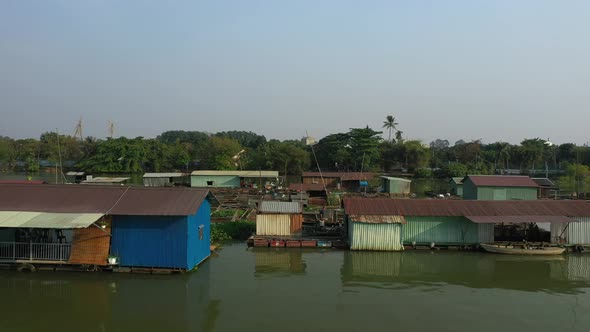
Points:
(359, 149)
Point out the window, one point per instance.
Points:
(201, 231)
(209, 183)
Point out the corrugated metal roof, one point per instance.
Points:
(158, 201)
(391, 178)
(243, 174)
(306, 187)
(373, 219)
(518, 219)
(164, 175)
(501, 181)
(457, 180)
(280, 207)
(47, 220)
(435, 207)
(344, 176)
(22, 182)
(543, 182)
(72, 173)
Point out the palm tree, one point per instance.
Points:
(390, 124)
(398, 136)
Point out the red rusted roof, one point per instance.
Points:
(306, 187)
(501, 181)
(344, 176)
(22, 182)
(518, 219)
(98, 199)
(457, 208)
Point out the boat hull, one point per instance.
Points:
(510, 250)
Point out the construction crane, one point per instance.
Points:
(78, 132)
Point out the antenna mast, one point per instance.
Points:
(111, 129)
(78, 133)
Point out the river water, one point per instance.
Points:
(243, 289)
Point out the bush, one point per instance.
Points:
(218, 235)
(239, 230)
(423, 173)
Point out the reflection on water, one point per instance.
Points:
(476, 270)
(278, 262)
(299, 289)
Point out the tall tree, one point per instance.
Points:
(390, 125)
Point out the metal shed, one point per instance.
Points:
(396, 186)
(166, 179)
(499, 187)
(279, 218)
(229, 179)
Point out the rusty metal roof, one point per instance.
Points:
(101, 199)
(22, 182)
(280, 207)
(344, 176)
(373, 219)
(501, 181)
(458, 208)
(518, 219)
(306, 187)
(544, 182)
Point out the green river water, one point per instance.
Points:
(243, 289)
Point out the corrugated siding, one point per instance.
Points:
(199, 236)
(452, 230)
(485, 233)
(469, 190)
(219, 181)
(381, 237)
(273, 224)
(155, 182)
(280, 207)
(506, 193)
(579, 232)
(296, 223)
(145, 241)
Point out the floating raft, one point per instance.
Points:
(260, 241)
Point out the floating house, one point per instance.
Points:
(547, 189)
(351, 181)
(166, 179)
(153, 228)
(278, 218)
(499, 187)
(311, 189)
(231, 179)
(456, 185)
(388, 224)
(105, 181)
(396, 186)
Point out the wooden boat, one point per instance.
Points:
(521, 250)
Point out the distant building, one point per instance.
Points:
(351, 181)
(396, 186)
(75, 177)
(547, 189)
(166, 179)
(105, 181)
(231, 179)
(161, 228)
(456, 185)
(499, 188)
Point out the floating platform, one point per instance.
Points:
(296, 242)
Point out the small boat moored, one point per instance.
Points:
(523, 249)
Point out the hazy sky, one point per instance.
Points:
(496, 70)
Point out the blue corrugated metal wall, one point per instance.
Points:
(150, 241)
(199, 247)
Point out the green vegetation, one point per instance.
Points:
(359, 149)
(226, 213)
(238, 230)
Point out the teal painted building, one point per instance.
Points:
(456, 185)
(499, 188)
(395, 186)
(231, 179)
(445, 230)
